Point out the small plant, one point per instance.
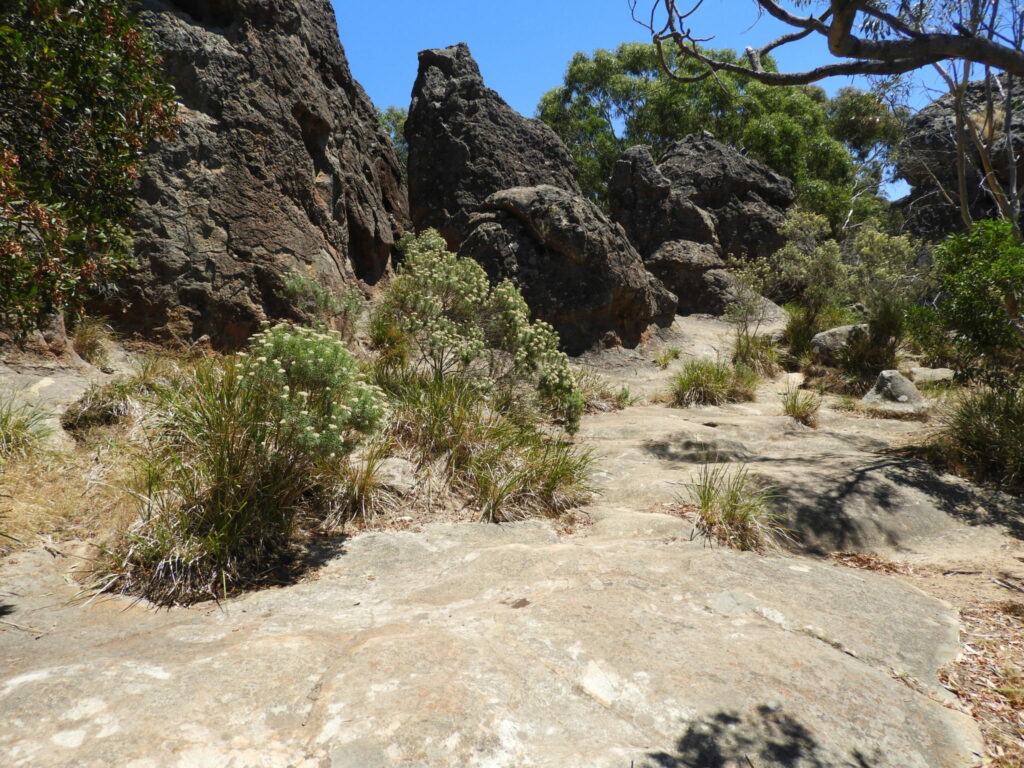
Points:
(667, 356)
(23, 428)
(600, 395)
(440, 315)
(710, 382)
(982, 434)
(801, 406)
(341, 310)
(734, 509)
(242, 445)
(117, 400)
(868, 354)
(757, 352)
(359, 493)
(92, 340)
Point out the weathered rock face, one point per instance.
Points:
(704, 200)
(828, 346)
(466, 143)
(576, 269)
(927, 160)
(279, 164)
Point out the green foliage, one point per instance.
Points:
(341, 310)
(392, 120)
(801, 406)
(241, 446)
(506, 465)
(80, 98)
(23, 428)
(734, 509)
(755, 351)
(667, 356)
(982, 434)
(789, 129)
(868, 354)
(980, 277)
(441, 315)
(710, 382)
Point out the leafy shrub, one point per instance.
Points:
(734, 509)
(868, 354)
(441, 315)
(341, 310)
(22, 428)
(710, 382)
(92, 339)
(982, 434)
(801, 406)
(240, 446)
(82, 98)
(980, 278)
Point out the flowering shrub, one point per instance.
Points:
(240, 448)
(441, 315)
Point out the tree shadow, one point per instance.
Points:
(766, 738)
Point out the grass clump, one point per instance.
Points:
(667, 356)
(982, 434)
(496, 454)
(92, 341)
(240, 448)
(801, 406)
(23, 428)
(118, 400)
(600, 395)
(734, 509)
(757, 352)
(711, 382)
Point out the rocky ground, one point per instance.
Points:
(627, 641)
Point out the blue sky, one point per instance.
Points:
(523, 46)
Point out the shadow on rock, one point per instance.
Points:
(767, 738)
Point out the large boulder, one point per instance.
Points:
(927, 160)
(576, 269)
(748, 199)
(682, 216)
(466, 143)
(279, 164)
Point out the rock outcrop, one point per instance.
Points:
(279, 164)
(576, 269)
(704, 200)
(927, 160)
(466, 143)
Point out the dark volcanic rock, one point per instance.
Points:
(927, 160)
(683, 214)
(279, 164)
(747, 199)
(466, 143)
(576, 269)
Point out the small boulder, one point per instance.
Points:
(827, 346)
(576, 269)
(894, 391)
(931, 375)
(398, 475)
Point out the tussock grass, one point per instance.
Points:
(600, 395)
(710, 382)
(23, 428)
(981, 434)
(734, 509)
(757, 352)
(92, 341)
(667, 356)
(801, 405)
(358, 493)
(502, 460)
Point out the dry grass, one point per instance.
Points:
(988, 679)
(868, 562)
(93, 340)
(64, 496)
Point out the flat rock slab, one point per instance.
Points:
(477, 645)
